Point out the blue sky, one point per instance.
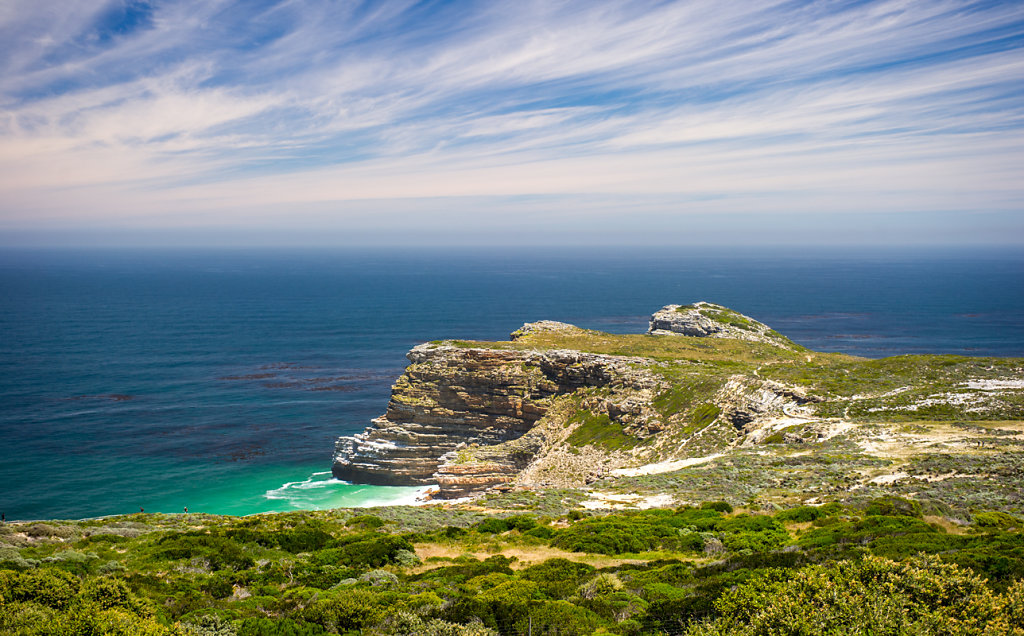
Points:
(529, 122)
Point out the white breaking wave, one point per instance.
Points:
(321, 491)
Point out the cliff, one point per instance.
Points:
(452, 397)
(560, 406)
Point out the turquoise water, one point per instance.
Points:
(218, 380)
(269, 490)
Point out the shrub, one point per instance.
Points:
(804, 514)
(218, 585)
(209, 625)
(379, 578)
(73, 561)
(110, 593)
(365, 551)
(469, 568)
(605, 537)
(639, 532)
(996, 520)
(370, 522)
(863, 531)
(222, 553)
(11, 559)
(356, 609)
(720, 506)
(522, 523)
(323, 576)
(407, 558)
(893, 506)
(303, 538)
(541, 532)
(45, 530)
(557, 578)
(923, 596)
(50, 588)
(507, 603)
(556, 617)
(408, 624)
(759, 533)
(110, 622)
(492, 525)
(616, 606)
(278, 627)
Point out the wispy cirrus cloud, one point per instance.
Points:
(156, 113)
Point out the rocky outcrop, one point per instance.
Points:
(471, 469)
(531, 413)
(707, 320)
(454, 396)
(544, 326)
(746, 401)
(474, 416)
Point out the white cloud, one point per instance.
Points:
(766, 107)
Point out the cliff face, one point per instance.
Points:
(472, 416)
(452, 397)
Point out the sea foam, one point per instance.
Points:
(320, 491)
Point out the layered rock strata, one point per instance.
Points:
(451, 397)
(471, 469)
(708, 320)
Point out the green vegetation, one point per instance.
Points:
(728, 317)
(873, 595)
(901, 388)
(685, 392)
(704, 415)
(734, 353)
(694, 570)
(599, 429)
(905, 388)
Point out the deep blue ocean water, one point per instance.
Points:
(218, 380)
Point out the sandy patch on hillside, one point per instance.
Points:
(951, 526)
(937, 438)
(612, 501)
(993, 385)
(839, 428)
(889, 479)
(663, 467)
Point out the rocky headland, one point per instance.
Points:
(559, 406)
(454, 400)
(708, 320)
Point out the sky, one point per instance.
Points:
(547, 122)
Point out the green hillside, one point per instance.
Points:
(456, 570)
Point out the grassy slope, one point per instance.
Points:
(636, 572)
(828, 375)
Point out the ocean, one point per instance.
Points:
(218, 380)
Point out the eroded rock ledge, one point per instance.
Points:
(454, 397)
